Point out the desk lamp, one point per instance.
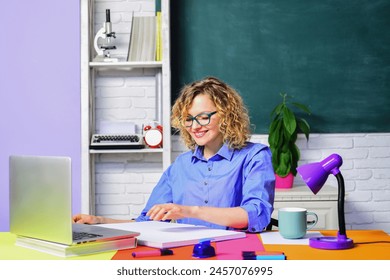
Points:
(315, 176)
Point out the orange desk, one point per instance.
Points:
(369, 245)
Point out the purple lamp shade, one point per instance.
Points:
(316, 174)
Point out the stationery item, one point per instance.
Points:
(161, 252)
(266, 257)
(260, 253)
(274, 237)
(263, 255)
(203, 250)
(293, 222)
(167, 235)
(41, 206)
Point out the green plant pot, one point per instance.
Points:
(284, 182)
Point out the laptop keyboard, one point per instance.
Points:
(83, 235)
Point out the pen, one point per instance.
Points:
(265, 257)
(260, 253)
(160, 252)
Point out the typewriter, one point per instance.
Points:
(117, 141)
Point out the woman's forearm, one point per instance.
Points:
(235, 217)
(105, 220)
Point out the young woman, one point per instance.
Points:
(223, 181)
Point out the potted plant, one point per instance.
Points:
(283, 131)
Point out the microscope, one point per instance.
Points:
(103, 41)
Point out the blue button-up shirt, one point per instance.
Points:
(232, 177)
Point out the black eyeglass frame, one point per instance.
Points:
(195, 118)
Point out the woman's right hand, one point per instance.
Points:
(87, 219)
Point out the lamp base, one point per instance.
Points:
(331, 243)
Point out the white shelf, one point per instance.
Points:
(127, 64)
(303, 193)
(125, 151)
(90, 69)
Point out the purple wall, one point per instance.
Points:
(39, 87)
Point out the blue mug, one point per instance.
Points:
(292, 222)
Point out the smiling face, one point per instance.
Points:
(209, 135)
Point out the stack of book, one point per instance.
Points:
(62, 250)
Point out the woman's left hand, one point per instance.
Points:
(168, 211)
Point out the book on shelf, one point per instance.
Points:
(130, 37)
(142, 46)
(62, 250)
(159, 46)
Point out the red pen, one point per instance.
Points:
(154, 253)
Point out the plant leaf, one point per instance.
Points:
(274, 133)
(284, 164)
(295, 155)
(302, 107)
(304, 127)
(277, 110)
(289, 121)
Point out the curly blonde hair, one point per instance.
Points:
(234, 119)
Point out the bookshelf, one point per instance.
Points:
(133, 91)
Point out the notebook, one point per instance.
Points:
(41, 203)
(168, 235)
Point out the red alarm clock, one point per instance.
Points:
(153, 136)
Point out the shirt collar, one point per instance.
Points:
(223, 152)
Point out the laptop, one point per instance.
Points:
(41, 205)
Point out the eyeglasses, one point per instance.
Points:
(202, 119)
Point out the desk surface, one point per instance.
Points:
(369, 245)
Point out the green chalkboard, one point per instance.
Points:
(332, 55)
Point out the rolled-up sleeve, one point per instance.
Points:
(162, 193)
(259, 190)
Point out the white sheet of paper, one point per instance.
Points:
(167, 235)
(274, 237)
(117, 127)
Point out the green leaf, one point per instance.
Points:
(284, 164)
(295, 155)
(285, 141)
(275, 159)
(275, 134)
(276, 111)
(302, 107)
(304, 127)
(289, 121)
